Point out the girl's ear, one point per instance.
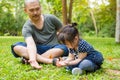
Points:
(76, 38)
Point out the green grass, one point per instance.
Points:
(12, 69)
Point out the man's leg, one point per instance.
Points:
(19, 50)
(56, 51)
(22, 51)
(52, 53)
(46, 57)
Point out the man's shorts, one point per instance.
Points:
(41, 48)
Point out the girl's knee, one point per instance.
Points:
(86, 62)
(86, 65)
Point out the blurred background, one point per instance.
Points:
(94, 17)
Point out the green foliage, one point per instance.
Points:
(55, 7)
(20, 16)
(104, 16)
(6, 17)
(106, 20)
(81, 15)
(12, 69)
(13, 17)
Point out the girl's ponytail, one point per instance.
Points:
(74, 24)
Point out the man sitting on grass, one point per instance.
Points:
(40, 34)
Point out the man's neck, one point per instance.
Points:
(39, 23)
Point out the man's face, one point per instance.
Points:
(33, 10)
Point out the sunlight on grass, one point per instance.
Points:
(12, 69)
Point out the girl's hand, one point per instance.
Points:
(60, 63)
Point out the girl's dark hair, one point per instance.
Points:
(68, 33)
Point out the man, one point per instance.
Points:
(40, 34)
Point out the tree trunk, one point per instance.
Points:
(94, 22)
(70, 11)
(93, 19)
(117, 35)
(64, 11)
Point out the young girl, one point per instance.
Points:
(82, 56)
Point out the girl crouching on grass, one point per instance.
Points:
(82, 56)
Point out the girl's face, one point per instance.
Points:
(73, 44)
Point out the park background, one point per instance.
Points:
(97, 22)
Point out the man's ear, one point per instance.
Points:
(25, 10)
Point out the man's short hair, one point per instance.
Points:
(27, 1)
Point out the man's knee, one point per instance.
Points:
(15, 48)
(63, 48)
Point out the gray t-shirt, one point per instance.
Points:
(45, 36)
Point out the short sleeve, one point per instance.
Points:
(26, 31)
(56, 22)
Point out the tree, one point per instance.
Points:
(70, 11)
(93, 18)
(117, 35)
(67, 15)
(64, 11)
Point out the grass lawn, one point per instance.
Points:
(12, 69)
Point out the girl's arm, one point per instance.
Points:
(70, 57)
(63, 63)
(81, 56)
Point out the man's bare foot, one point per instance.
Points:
(35, 64)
